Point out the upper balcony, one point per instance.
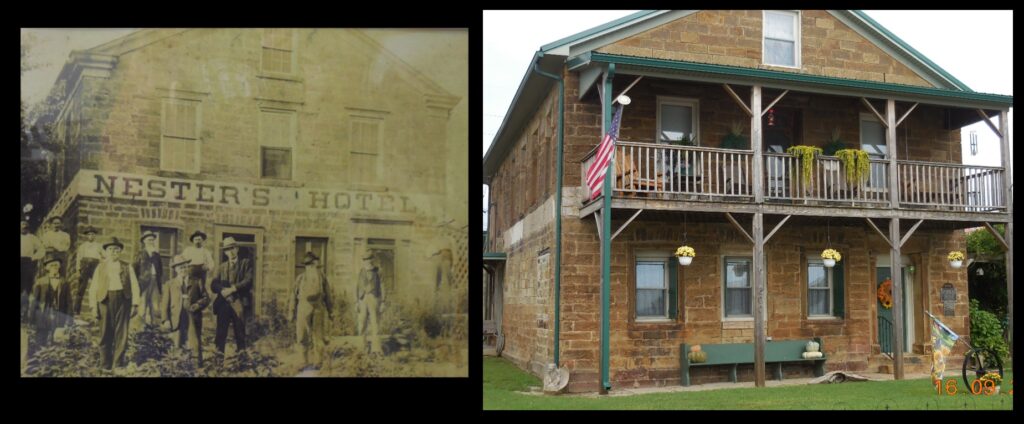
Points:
(646, 170)
(686, 145)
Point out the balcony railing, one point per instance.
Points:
(963, 187)
(783, 180)
(702, 173)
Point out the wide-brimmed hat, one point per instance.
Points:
(368, 255)
(50, 258)
(310, 258)
(89, 229)
(197, 233)
(146, 235)
(180, 260)
(52, 218)
(113, 241)
(228, 243)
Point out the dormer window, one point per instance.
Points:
(781, 38)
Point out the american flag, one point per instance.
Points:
(597, 170)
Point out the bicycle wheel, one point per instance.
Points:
(979, 361)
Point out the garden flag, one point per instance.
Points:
(942, 341)
(597, 170)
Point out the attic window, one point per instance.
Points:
(782, 38)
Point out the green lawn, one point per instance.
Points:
(503, 382)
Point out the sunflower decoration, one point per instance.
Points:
(885, 293)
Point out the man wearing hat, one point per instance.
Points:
(183, 305)
(49, 303)
(89, 254)
(149, 269)
(32, 251)
(200, 257)
(369, 293)
(232, 284)
(112, 289)
(57, 242)
(309, 303)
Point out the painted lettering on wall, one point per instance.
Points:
(152, 188)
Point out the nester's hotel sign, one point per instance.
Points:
(149, 188)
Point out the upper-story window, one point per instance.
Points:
(365, 155)
(277, 136)
(179, 138)
(278, 50)
(782, 38)
(678, 120)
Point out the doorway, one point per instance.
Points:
(782, 129)
(910, 304)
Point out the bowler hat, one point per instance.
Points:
(368, 255)
(146, 235)
(55, 218)
(89, 229)
(197, 234)
(310, 258)
(180, 260)
(228, 243)
(51, 258)
(113, 242)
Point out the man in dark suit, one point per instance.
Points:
(232, 286)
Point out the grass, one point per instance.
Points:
(504, 382)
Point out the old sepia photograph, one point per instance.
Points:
(246, 202)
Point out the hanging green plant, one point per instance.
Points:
(857, 164)
(806, 155)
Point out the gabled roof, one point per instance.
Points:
(579, 49)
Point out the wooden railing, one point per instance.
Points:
(644, 168)
(962, 187)
(783, 179)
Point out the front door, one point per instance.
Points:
(249, 241)
(885, 317)
(781, 128)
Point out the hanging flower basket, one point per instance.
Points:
(830, 257)
(885, 293)
(685, 255)
(956, 259)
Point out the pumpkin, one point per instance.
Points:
(695, 348)
(697, 357)
(812, 346)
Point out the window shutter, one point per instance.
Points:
(673, 288)
(837, 290)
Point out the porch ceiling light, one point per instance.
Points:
(623, 100)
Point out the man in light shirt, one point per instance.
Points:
(112, 289)
(32, 251)
(89, 255)
(57, 242)
(200, 258)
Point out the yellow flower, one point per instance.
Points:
(685, 251)
(831, 254)
(955, 255)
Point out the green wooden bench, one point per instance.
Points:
(776, 352)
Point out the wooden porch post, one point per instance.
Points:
(759, 298)
(894, 239)
(1008, 236)
(755, 143)
(897, 298)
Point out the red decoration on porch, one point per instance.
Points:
(885, 293)
(771, 117)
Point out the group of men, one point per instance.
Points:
(119, 291)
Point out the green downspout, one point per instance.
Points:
(606, 240)
(558, 204)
